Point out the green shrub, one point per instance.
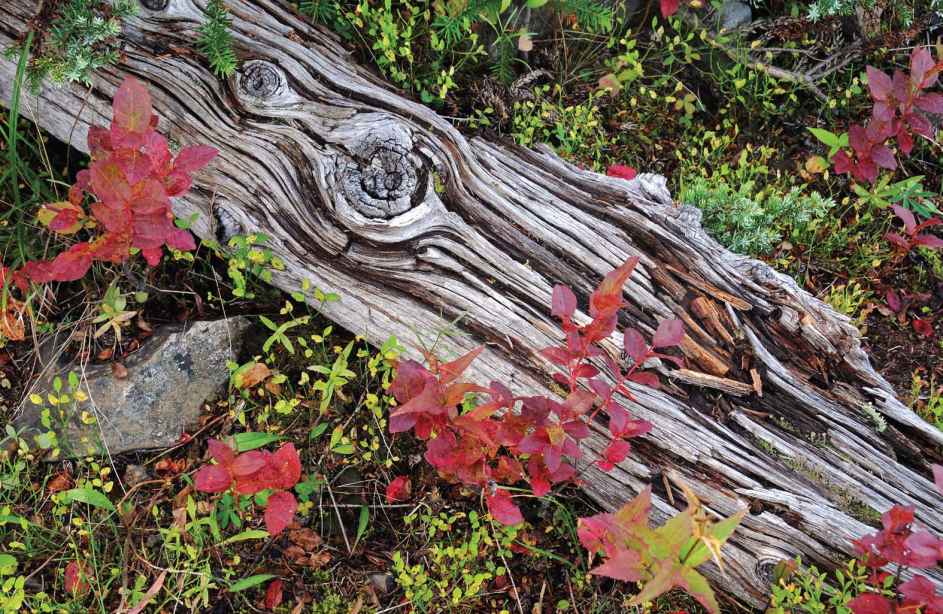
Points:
(82, 38)
(806, 590)
(749, 221)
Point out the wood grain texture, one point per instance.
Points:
(342, 171)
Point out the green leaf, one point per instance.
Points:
(89, 496)
(828, 138)
(245, 536)
(318, 430)
(667, 576)
(7, 565)
(668, 539)
(720, 532)
(697, 586)
(362, 523)
(249, 582)
(252, 440)
(535, 4)
(345, 449)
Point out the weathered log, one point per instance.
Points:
(374, 196)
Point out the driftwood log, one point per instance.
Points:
(374, 196)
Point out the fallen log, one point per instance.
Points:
(373, 196)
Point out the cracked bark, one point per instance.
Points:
(374, 196)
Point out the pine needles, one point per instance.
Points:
(216, 41)
(80, 40)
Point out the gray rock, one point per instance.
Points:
(383, 582)
(167, 381)
(734, 14)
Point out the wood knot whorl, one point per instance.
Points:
(155, 5)
(385, 179)
(260, 79)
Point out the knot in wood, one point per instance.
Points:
(260, 79)
(384, 180)
(155, 5)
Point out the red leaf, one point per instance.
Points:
(646, 378)
(194, 158)
(635, 346)
(842, 162)
(883, 157)
(906, 216)
(249, 463)
(925, 549)
(870, 603)
(924, 326)
(920, 591)
(502, 508)
(614, 454)
(70, 265)
(212, 478)
(922, 73)
(620, 170)
(180, 239)
(132, 114)
(563, 303)
(670, 333)
(109, 183)
(928, 240)
(286, 466)
(398, 489)
(897, 240)
(74, 581)
(893, 300)
(273, 594)
(669, 7)
(931, 103)
(280, 511)
(879, 82)
(626, 565)
(451, 371)
(538, 476)
(607, 299)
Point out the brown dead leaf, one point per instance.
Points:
(118, 370)
(525, 43)
(12, 324)
(180, 518)
(169, 466)
(62, 481)
(305, 538)
(252, 376)
(273, 388)
(180, 499)
(105, 354)
(298, 556)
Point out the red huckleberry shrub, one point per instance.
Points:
(901, 545)
(252, 472)
(132, 177)
(505, 439)
(900, 111)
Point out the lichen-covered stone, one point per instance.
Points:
(159, 399)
